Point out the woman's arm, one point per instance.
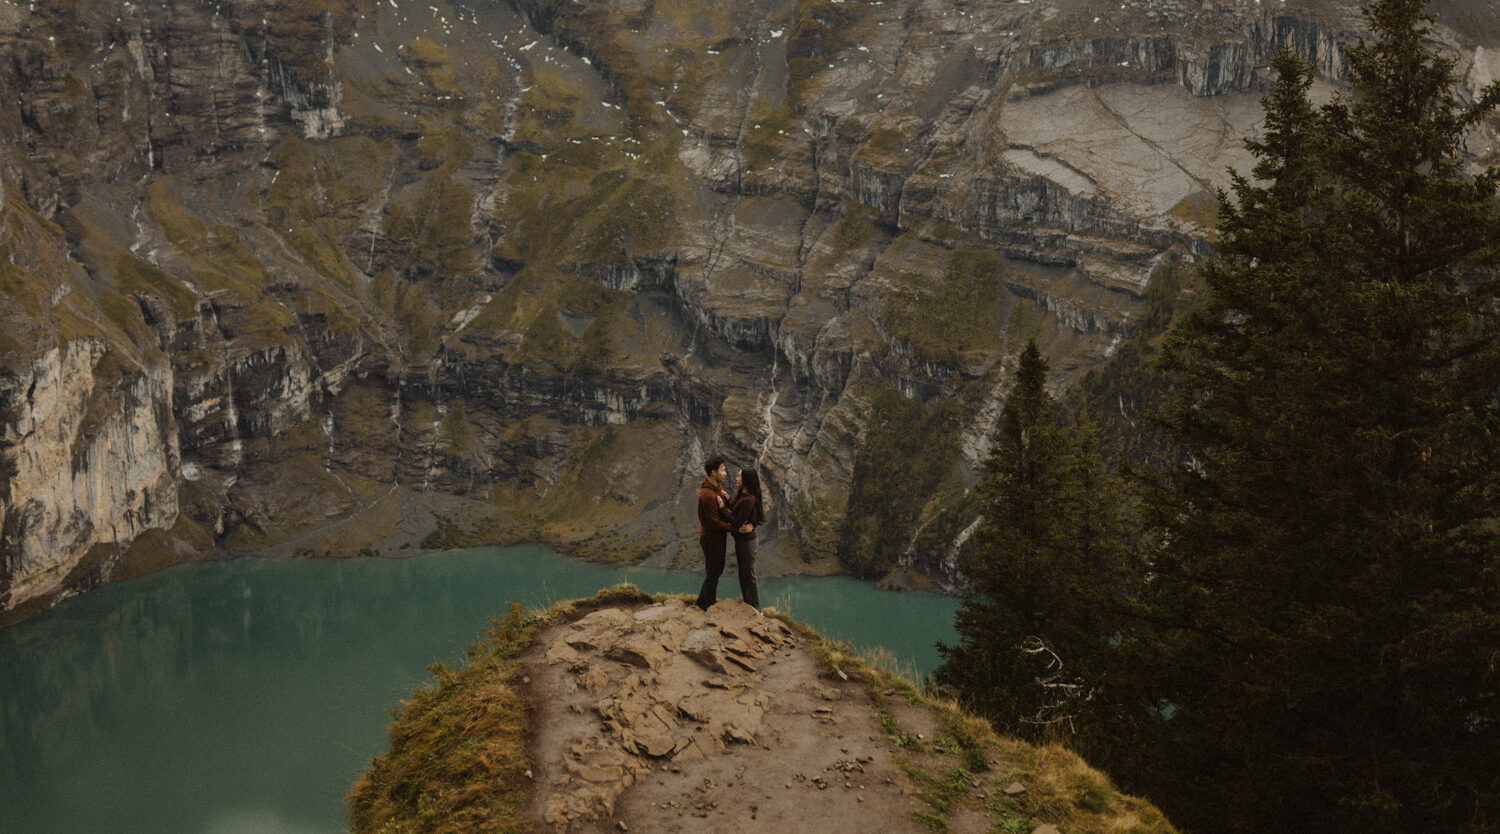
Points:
(744, 514)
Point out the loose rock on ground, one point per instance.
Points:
(667, 718)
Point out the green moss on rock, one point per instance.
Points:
(136, 277)
(960, 313)
(436, 221)
(905, 471)
(767, 133)
(180, 225)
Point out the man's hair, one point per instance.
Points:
(711, 464)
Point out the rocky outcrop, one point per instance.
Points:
(661, 684)
(91, 456)
(632, 713)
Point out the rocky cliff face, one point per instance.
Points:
(84, 469)
(268, 263)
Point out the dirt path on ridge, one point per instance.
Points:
(664, 718)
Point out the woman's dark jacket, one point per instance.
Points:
(741, 512)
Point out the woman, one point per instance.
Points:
(746, 512)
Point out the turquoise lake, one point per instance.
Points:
(244, 697)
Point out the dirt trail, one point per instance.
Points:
(664, 718)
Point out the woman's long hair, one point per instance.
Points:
(750, 482)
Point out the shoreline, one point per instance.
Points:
(396, 525)
(422, 514)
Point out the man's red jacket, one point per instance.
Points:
(712, 517)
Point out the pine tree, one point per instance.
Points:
(1045, 565)
(1323, 638)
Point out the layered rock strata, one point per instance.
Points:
(84, 469)
(547, 256)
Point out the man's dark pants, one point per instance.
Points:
(713, 563)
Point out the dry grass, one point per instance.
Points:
(457, 759)
(157, 548)
(1199, 208)
(458, 749)
(477, 526)
(967, 765)
(363, 530)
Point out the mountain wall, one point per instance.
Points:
(269, 265)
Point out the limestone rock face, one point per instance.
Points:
(86, 465)
(547, 256)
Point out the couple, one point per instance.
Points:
(718, 516)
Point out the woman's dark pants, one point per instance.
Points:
(744, 555)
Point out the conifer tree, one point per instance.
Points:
(1045, 565)
(1323, 638)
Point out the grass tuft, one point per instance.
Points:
(458, 748)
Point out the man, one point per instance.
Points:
(713, 528)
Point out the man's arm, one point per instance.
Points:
(740, 515)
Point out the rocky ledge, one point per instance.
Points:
(634, 713)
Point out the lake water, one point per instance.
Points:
(246, 696)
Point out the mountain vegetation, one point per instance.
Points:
(1312, 645)
(1046, 566)
(905, 465)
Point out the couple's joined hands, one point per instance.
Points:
(747, 527)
